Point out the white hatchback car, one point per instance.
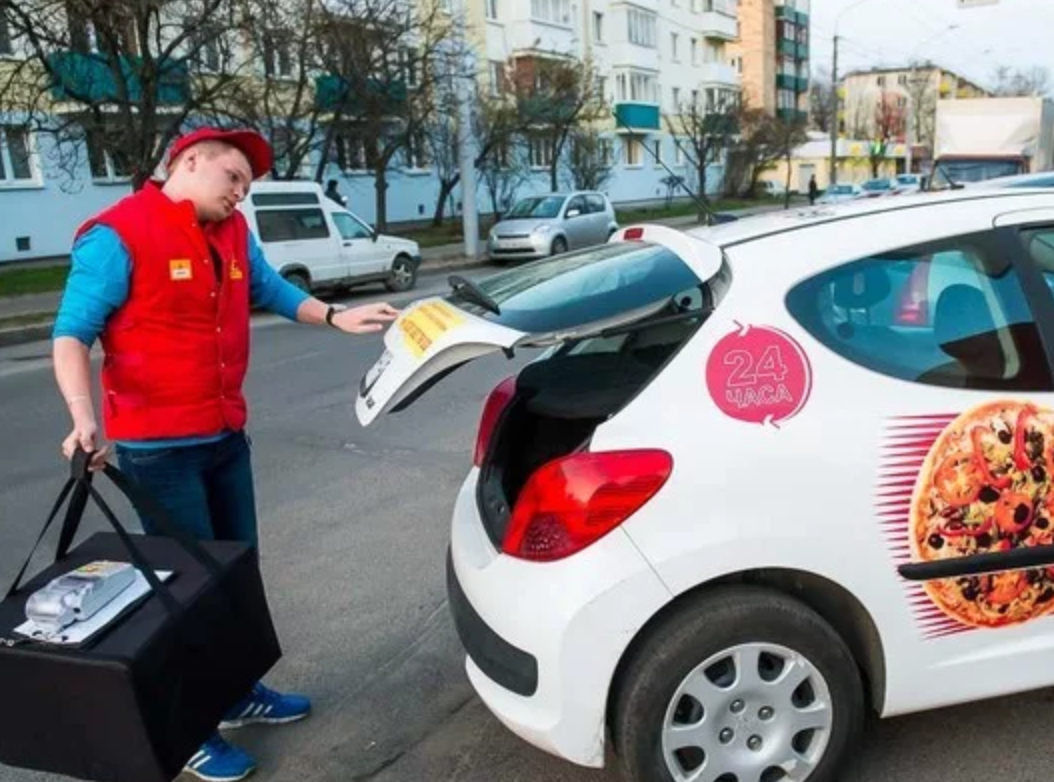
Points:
(765, 477)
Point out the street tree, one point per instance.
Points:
(117, 79)
(1032, 82)
(821, 93)
(703, 134)
(279, 100)
(555, 98)
(589, 159)
(385, 64)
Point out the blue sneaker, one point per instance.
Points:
(268, 707)
(218, 761)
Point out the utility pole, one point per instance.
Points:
(466, 101)
(834, 115)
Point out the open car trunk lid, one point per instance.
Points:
(548, 302)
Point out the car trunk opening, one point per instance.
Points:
(562, 397)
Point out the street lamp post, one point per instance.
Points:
(834, 94)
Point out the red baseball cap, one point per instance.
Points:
(249, 142)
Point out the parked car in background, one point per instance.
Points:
(836, 194)
(1043, 179)
(314, 243)
(771, 188)
(876, 188)
(552, 224)
(907, 183)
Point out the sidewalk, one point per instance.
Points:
(38, 309)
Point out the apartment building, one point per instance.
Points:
(772, 56)
(900, 104)
(652, 56)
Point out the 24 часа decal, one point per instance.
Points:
(961, 485)
(759, 375)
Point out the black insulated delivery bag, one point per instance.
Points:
(136, 701)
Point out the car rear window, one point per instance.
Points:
(587, 287)
(287, 225)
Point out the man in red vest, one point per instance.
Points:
(166, 278)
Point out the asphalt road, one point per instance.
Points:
(354, 530)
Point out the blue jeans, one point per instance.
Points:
(206, 489)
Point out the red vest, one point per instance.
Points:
(178, 349)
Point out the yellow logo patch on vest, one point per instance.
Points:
(236, 271)
(180, 269)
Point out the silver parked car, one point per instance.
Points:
(551, 224)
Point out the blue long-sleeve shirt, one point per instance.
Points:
(98, 285)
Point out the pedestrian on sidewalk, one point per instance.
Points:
(814, 190)
(333, 193)
(166, 279)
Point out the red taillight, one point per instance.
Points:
(496, 403)
(571, 503)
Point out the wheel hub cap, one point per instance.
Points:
(753, 713)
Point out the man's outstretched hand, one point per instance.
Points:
(367, 319)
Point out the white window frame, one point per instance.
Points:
(633, 147)
(643, 28)
(598, 27)
(675, 53)
(8, 180)
(540, 152)
(556, 12)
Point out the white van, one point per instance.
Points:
(314, 242)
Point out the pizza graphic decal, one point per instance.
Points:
(980, 482)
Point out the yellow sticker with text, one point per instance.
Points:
(426, 324)
(180, 269)
(236, 271)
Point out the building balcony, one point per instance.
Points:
(788, 48)
(637, 116)
(88, 78)
(793, 83)
(792, 115)
(802, 51)
(801, 19)
(720, 74)
(333, 92)
(526, 35)
(713, 24)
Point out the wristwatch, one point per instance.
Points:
(333, 310)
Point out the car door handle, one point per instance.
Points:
(348, 244)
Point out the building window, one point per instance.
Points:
(278, 54)
(643, 28)
(676, 98)
(497, 78)
(6, 49)
(15, 161)
(208, 48)
(657, 152)
(416, 153)
(602, 88)
(552, 11)
(638, 87)
(678, 151)
(355, 150)
(881, 81)
(598, 27)
(492, 9)
(695, 51)
(674, 39)
(634, 147)
(607, 152)
(541, 151)
(107, 158)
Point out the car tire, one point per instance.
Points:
(403, 275)
(718, 630)
(298, 280)
(559, 246)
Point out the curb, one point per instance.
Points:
(37, 332)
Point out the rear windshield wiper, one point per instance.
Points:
(470, 291)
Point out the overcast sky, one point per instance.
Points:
(1018, 33)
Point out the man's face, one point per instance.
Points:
(221, 179)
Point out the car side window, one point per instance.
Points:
(948, 313)
(349, 227)
(1040, 245)
(594, 204)
(285, 225)
(579, 203)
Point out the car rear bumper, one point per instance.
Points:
(544, 639)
